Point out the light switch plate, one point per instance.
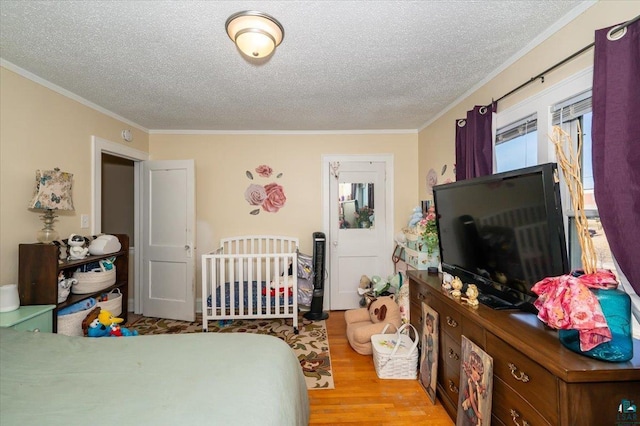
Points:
(84, 221)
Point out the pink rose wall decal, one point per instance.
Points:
(270, 197)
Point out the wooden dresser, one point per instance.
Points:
(536, 380)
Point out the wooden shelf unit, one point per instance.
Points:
(39, 266)
(562, 387)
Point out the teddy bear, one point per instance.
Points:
(363, 323)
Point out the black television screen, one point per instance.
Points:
(503, 232)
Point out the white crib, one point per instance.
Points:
(251, 277)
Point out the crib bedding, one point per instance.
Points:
(194, 379)
(257, 290)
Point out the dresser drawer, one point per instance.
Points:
(42, 323)
(511, 409)
(417, 295)
(473, 332)
(450, 320)
(450, 352)
(535, 384)
(451, 383)
(29, 318)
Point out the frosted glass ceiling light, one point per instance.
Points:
(255, 33)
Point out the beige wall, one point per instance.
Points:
(437, 140)
(222, 162)
(41, 129)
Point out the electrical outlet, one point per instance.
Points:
(84, 221)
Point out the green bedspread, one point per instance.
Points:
(183, 379)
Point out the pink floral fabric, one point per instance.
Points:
(565, 302)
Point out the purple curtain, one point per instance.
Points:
(474, 143)
(616, 143)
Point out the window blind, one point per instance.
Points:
(571, 109)
(517, 129)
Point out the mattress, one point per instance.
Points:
(257, 290)
(195, 379)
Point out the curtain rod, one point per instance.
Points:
(562, 62)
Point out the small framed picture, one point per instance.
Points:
(476, 386)
(429, 356)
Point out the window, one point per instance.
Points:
(549, 109)
(517, 145)
(574, 115)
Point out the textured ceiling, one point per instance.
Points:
(343, 65)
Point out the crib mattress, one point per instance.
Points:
(195, 379)
(257, 290)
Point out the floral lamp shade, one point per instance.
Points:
(52, 192)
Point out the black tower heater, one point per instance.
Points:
(316, 313)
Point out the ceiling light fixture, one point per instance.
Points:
(255, 33)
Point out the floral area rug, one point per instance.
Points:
(311, 344)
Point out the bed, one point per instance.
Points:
(251, 277)
(194, 379)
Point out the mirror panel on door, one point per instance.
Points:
(356, 207)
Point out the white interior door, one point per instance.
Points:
(168, 239)
(357, 246)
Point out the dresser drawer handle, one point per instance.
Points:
(515, 416)
(36, 330)
(453, 355)
(451, 322)
(522, 377)
(453, 387)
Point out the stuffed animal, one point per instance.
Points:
(64, 286)
(77, 247)
(364, 290)
(416, 216)
(100, 323)
(117, 331)
(91, 325)
(107, 319)
(365, 322)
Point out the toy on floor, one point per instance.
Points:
(91, 325)
(117, 331)
(370, 289)
(363, 323)
(101, 323)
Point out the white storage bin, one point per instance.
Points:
(113, 304)
(395, 356)
(71, 324)
(91, 282)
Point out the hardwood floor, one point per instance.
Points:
(360, 397)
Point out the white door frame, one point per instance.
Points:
(101, 146)
(327, 160)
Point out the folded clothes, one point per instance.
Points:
(82, 305)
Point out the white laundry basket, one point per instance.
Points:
(395, 356)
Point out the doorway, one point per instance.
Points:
(119, 153)
(358, 206)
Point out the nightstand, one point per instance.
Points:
(29, 318)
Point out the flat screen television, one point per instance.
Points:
(503, 232)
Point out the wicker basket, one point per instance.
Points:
(113, 304)
(91, 282)
(395, 356)
(71, 324)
